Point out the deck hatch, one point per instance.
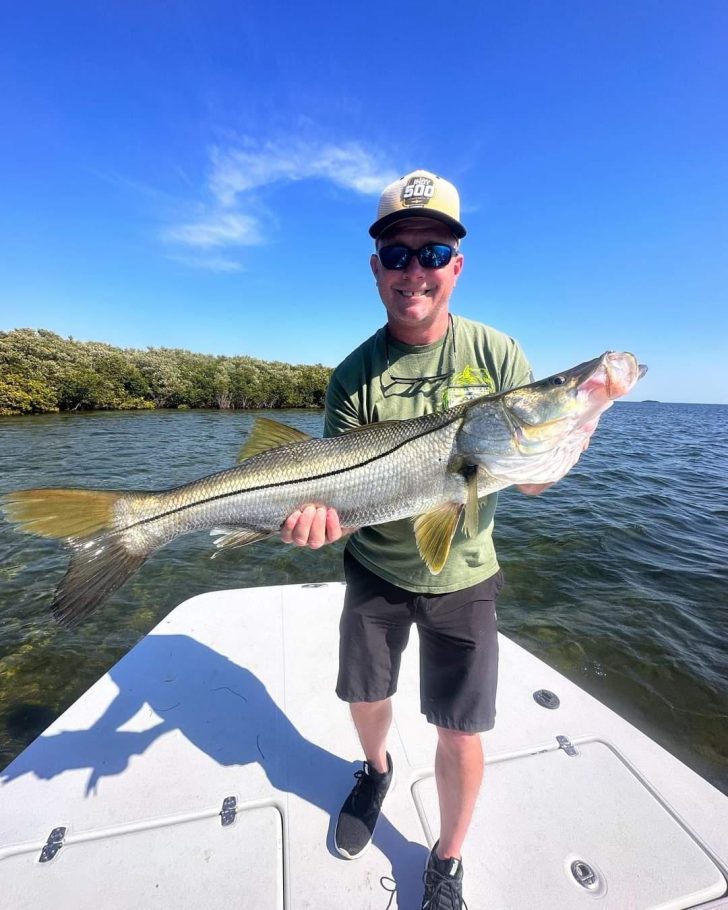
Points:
(179, 861)
(586, 829)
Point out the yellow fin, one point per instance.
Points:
(240, 537)
(269, 434)
(434, 532)
(471, 524)
(62, 513)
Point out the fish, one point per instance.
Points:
(433, 469)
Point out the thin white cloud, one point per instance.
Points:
(235, 218)
(237, 171)
(222, 229)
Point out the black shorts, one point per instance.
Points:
(458, 646)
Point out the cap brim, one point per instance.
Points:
(383, 223)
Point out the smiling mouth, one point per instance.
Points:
(409, 294)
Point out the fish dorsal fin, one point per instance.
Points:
(269, 434)
(434, 531)
(238, 537)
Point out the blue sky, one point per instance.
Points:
(202, 175)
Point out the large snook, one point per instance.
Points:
(433, 468)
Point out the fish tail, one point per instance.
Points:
(101, 558)
(63, 513)
(98, 566)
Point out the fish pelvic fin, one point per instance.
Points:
(270, 434)
(434, 531)
(239, 537)
(98, 566)
(62, 513)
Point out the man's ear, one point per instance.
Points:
(375, 265)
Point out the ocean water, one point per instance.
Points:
(617, 576)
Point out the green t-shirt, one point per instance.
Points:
(473, 359)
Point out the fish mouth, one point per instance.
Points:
(614, 375)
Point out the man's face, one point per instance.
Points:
(416, 298)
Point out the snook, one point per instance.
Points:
(433, 468)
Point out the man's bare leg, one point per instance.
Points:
(372, 721)
(459, 774)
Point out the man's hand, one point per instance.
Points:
(533, 489)
(313, 526)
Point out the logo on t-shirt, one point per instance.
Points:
(472, 382)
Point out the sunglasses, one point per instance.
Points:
(429, 256)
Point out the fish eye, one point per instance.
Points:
(558, 380)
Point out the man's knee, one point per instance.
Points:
(459, 740)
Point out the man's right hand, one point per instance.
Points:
(313, 526)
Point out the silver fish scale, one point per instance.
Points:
(381, 473)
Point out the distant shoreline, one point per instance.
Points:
(43, 373)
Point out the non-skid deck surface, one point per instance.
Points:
(231, 696)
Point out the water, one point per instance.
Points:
(617, 576)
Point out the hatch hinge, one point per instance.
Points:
(228, 811)
(566, 744)
(52, 845)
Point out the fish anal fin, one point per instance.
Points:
(269, 434)
(239, 537)
(434, 531)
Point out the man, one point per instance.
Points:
(423, 360)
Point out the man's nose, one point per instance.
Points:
(414, 269)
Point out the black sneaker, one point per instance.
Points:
(443, 880)
(360, 812)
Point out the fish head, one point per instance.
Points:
(571, 400)
(562, 410)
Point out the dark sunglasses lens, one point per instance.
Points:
(395, 257)
(435, 255)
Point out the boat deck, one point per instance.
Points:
(208, 766)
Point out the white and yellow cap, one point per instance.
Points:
(420, 194)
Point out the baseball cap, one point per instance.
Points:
(420, 194)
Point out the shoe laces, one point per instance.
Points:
(364, 783)
(444, 892)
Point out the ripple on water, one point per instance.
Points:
(617, 576)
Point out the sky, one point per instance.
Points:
(203, 175)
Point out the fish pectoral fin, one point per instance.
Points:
(434, 531)
(269, 434)
(469, 473)
(471, 523)
(239, 537)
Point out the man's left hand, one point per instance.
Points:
(533, 489)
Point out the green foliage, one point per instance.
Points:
(19, 395)
(42, 372)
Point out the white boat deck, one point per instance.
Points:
(232, 696)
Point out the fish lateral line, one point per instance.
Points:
(218, 497)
